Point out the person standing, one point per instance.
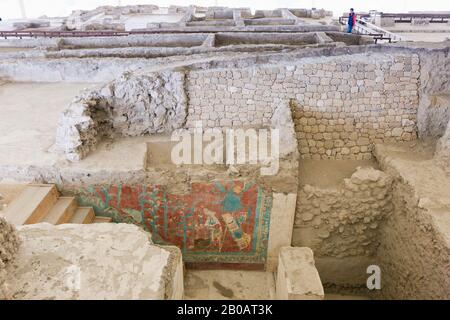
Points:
(351, 20)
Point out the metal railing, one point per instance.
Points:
(370, 29)
(57, 34)
(408, 17)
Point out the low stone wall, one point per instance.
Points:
(149, 40)
(269, 21)
(239, 38)
(215, 23)
(342, 225)
(68, 69)
(350, 38)
(260, 14)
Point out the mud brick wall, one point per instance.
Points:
(342, 104)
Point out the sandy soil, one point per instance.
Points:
(10, 191)
(229, 284)
(159, 153)
(426, 36)
(430, 27)
(329, 173)
(13, 49)
(416, 151)
(237, 285)
(30, 113)
(344, 297)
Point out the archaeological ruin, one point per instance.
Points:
(221, 153)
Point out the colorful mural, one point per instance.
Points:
(221, 222)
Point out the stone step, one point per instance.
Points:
(83, 215)
(32, 205)
(102, 220)
(62, 211)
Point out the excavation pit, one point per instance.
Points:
(362, 176)
(264, 38)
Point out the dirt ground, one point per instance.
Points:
(329, 173)
(237, 285)
(9, 191)
(13, 49)
(229, 284)
(29, 129)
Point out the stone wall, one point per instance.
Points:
(68, 69)
(129, 106)
(348, 106)
(344, 104)
(342, 225)
(148, 40)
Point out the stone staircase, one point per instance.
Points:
(42, 203)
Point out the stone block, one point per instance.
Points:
(281, 224)
(124, 265)
(297, 276)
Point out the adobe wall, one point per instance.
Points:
(414, 256)
(443, 146)
(434, 91)
(414, 251)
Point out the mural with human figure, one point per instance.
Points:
(221, 222)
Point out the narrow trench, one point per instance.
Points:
(329, 175)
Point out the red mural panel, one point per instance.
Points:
(224, 222)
